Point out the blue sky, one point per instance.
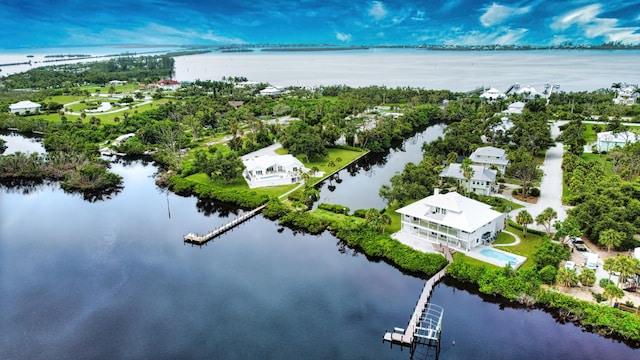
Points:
(29, 23)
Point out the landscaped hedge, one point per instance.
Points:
(247, 199)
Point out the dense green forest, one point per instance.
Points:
(142, 69)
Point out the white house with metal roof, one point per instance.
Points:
(482, 182)
(453, 220)
(529, 92)
(25, 107)
(272, 170)
(493, 94)
(490, 157)
(608, 140)
(272, 91)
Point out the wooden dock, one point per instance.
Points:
(201, 239)
(425, 324)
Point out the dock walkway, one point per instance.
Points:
(201, 239)
(426, 321)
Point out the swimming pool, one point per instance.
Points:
(499, 256)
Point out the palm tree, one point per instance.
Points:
(587, 277)
(610, 265)
(385, 220)
(523, 219)
(612, 292)
(467, 172)
(611, 238)
(565, 277)
(545, 218)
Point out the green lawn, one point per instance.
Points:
(343, 219)
(526, 247)
(504, 238)
(240, 185)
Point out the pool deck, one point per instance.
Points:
(476, 254)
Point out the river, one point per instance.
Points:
(113, 279)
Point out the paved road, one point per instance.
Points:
(551, 186)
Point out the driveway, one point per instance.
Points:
(551, 185)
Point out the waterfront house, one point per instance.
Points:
(608, 140)
(168, 85)
(514, 108)
(527, 92)
(490, 157)
(25, 107)
(627, 95)
(272, 170)
(482, 182)
(493, 94)
(453, 220)
(272, 91)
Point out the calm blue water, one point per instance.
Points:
(113, 279)
(497, 255)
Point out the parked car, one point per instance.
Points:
(570, 265)
(580, 247)
(576, 240)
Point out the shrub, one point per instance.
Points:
(361, 213)
(535, 192)
(548, 274)
(605, 282)
(598, 297)
(550, 253)
(275, 209)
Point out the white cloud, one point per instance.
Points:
(580, 16)
(418, 16)
(458, 36)
(496, 14)
(377, 10)
(343, 37)
(587, 21)
(153, 33)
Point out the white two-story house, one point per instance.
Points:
(453, 220)
(272, 170)
(482, 181)
(490, 157)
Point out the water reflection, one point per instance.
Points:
(357, 185)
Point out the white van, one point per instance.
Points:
(592, 261)
(636, 253)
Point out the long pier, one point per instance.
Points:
(201, 239)
(425, 324)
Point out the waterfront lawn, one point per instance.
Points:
(527, 246)
(344, 220)
(238, 185)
